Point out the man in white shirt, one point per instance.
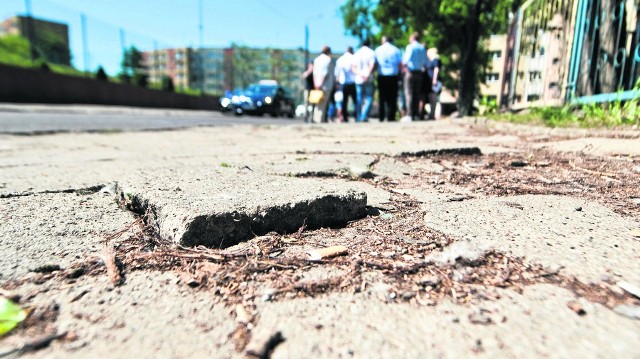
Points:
(346, 80)
(413, 61)
(389, 63)
(323, 79)
(364, 64)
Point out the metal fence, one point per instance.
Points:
(576, 51)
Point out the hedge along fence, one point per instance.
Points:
(37, 86)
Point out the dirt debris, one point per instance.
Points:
(605, 180)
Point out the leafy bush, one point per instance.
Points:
(141, 80)
(488, 105)
(14, 50)
(167, 84)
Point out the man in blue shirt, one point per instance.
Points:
(413, 61)
(389, 62)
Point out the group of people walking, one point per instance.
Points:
(415, 72)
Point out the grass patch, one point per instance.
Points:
(616, 113)
(595, 115)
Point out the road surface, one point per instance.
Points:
(41, 119)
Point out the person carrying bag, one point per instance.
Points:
(316, 96)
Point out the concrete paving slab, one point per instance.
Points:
(220, 208)
(82, 160)
(309, 165)
(588, 240)
(55, 229)
(118, 322)
(596, 146)
(392, 168)
(536, 324)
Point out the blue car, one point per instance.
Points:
(257, 99)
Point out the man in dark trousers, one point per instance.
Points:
(308, 86)
(389, 63)
(413, 62)
(346, 80)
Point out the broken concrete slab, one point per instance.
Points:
(548, 230)
(222, 207)
(55, 230)
(376, 197)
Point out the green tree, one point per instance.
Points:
(247, 65)
(358, 21)
(133, 67)
(455, 27)
(101, 74)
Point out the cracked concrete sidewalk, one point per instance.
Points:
(53, 211)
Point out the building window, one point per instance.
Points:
(492, 77)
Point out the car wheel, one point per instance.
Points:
(277, 111)
(238, 111)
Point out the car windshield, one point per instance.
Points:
(260, 90)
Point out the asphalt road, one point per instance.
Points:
(40, 119)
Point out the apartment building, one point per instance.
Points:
(174, 63)
(50, 39)
(207, 70)
(214, 70)
(492, 87)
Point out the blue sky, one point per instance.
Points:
(150, 24)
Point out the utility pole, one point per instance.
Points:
(122, 42)
(85, 46)
(201, 26)
(306, 46)
(201, 52)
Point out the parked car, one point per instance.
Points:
(264, 97)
